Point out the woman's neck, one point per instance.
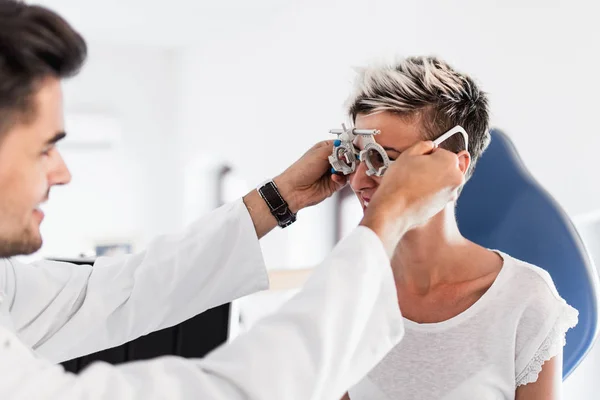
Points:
(431, 254)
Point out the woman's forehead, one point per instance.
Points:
(397, 132)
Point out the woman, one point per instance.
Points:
(480, 324)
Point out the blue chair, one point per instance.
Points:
(503, 207)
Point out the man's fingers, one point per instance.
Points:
(322, 149)
(450, 163)
(339, 180)
(446, 155)
(324, 144)
(421, 148)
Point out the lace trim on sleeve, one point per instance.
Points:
(551, 346)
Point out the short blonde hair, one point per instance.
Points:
(427, 88)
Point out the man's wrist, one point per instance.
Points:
(289, 193)
(389, 226)
(260, 214)
(377, 224)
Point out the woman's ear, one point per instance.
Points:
(464, 160)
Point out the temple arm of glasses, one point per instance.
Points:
(451, 132)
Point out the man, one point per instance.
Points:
(318, 344)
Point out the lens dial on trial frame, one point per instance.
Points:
(344, 155)
(344, 152)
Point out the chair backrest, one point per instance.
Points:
(503, 207)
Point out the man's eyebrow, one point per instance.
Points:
(56, 138)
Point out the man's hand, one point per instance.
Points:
(308, 181)
(418, 185)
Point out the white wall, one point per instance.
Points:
(133, 192)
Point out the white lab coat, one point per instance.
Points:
(315, 347)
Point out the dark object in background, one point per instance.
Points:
(193, 338)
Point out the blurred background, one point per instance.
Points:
(186, 104)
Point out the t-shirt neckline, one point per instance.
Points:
(469, 312)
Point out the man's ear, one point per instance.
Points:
(464, 161)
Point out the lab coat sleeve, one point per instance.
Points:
(64, 311)
(317, 345)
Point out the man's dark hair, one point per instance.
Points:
(35, 43)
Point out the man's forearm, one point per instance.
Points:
(324, 339)
(261, 216)
(215, 260)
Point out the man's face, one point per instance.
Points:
(30, 165)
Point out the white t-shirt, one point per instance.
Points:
(484, 353)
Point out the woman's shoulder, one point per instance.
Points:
(529, 282)
(544, 317)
